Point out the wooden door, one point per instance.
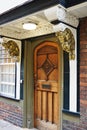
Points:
(46, 86)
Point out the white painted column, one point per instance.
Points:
(73, 79)
(73, 86)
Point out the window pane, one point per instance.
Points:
(7, 74)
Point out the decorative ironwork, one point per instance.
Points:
(67, 41)
(47, 66)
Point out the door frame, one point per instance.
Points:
(28, 105)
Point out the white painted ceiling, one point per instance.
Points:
(14, 29)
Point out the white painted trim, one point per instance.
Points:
(77, 6)
(73, 80)
(60, 13)
(18, 81)
(73, 86)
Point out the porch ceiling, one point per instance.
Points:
(14, 28)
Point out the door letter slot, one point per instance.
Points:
(46, 86)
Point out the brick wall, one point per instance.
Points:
(11, 113)
(82, 124)
(83, 72)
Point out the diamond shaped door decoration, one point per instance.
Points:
(48, 67)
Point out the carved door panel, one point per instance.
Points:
(46, 74)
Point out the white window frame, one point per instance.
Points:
(16, 82)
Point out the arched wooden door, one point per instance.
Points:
(46, 86)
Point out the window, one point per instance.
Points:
(9, 75)
(66, 80)
(71, 82)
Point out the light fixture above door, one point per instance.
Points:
(29, 26)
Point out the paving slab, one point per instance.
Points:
(4, 125)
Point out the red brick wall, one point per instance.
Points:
(82, 124)
(11, 113)
(83, 72)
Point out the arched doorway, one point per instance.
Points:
(47, 86)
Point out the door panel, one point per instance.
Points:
(39, 104)
(46, 86)
(50, 108)
(55, 108)
(44, 106)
